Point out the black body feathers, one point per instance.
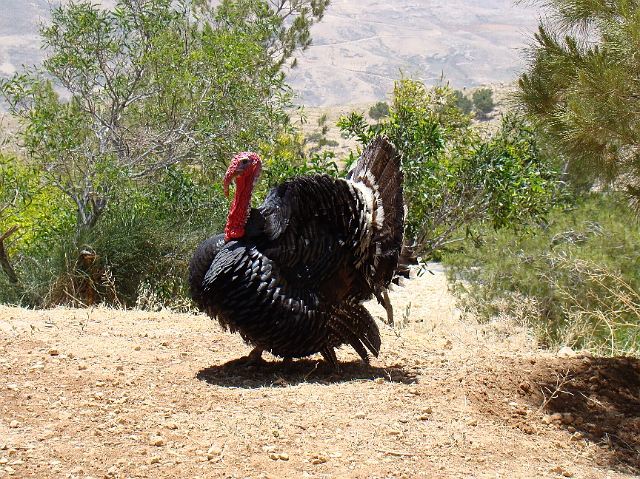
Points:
(311, 254)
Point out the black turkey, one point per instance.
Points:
(291, 275)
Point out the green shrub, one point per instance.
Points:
(574, 274)
(137, 255)
(462, 101)
(453, 176)
(483, 101)
(379, 110)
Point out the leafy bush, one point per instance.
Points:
(453, 176)
(158, 96)
(139, 251)
(379, 110)
(483, 101)
(462, 101)
(578, 274)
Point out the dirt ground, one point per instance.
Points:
(111, 394)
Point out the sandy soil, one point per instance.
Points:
(109, 394)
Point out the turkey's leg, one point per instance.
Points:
(287, 364)
(255, 357)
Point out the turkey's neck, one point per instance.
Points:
(239, 210)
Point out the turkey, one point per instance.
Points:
(291, 275)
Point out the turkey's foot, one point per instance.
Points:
(255, 358)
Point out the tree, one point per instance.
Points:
(150, 84)
(453, 177)
(379, 110)
(483, 101)
(12, 190)
(580, 87)
(462, 101)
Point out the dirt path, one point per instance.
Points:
(110, 394)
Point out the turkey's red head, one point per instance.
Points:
(245, 168)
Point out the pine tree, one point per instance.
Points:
(581, 87)
(483, 101)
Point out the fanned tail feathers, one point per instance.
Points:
(380, 171)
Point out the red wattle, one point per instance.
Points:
(239, 211)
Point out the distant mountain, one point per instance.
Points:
(360, 46)
(19, 41)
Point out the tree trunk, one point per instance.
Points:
(4, 261)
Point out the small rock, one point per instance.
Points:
(112, 471)
(213, 452)
(157, 441)
(4, 460)
(14, 424)
(551, 418)
(566, 352)
(82, 365)
(318, 459)
(378, 380)
(576, 436)
(561, 471)
(414, 391)
(360, 415)
(567, 418)
(119, 367)
(274, 456)
(283, 456)
(154, 460)
(54, 352)
(137, 348)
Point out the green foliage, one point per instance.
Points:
(379, 110)
(574, 280)
(580, 88)
(286, 159)
(462, 101)
(483, 101)
(153, 84)
(453, 177)
(157, 96)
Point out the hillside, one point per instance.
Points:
(101, 393)
(360, 46)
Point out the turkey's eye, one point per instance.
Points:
(245, 161)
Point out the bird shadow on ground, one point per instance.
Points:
(236, 373)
